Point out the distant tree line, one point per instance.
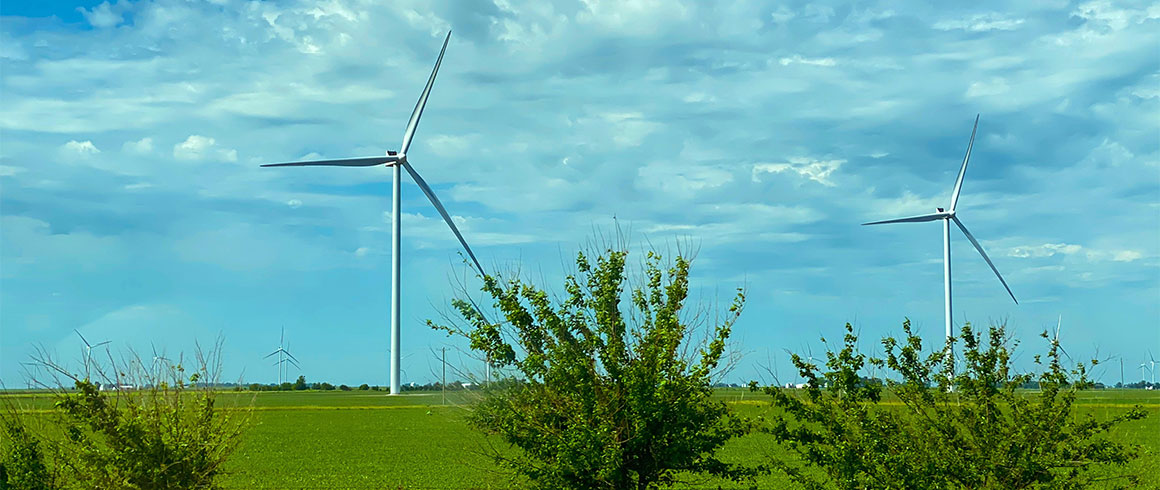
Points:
(301, 385)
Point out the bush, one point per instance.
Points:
(603, 403)
(364, 387)
(973, 429)
(168, 433)
(23, 463)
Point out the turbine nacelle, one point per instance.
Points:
(396, 158)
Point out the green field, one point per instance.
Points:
(335, 439)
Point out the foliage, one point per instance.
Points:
(141, 429)
(607, 398)
(300, 384)
(23, 463)
(974, 429)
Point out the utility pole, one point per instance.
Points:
(443, 383)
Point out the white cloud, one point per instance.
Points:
(979, 23)
(140, 147)
(9, 171)
(84, 148)
(1127, 256)
(629, 128)
(103, 15)
(1116, 19)
(816, 170)
(197, 147)
(1066, 249)
(797, 58)
(1044, 250)
(698, 97)
(450, 145)
(993, 86)
(632, 17)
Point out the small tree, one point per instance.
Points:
(608, 397)
(300, 384)
(974, 429)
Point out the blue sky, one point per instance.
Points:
(133, 208)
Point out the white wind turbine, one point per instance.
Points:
(398, 160)
(1061, 349)
(947, 216)
(89, 350)
(1152, 366)
(284, 356)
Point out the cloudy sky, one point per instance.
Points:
(133, 208)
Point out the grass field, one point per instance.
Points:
(301, 440)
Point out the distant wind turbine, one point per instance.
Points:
(284, 356)
(1152, 366)
(398, 160)
(1061, 349)
(89, 350)
(947, 216)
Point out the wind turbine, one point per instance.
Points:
(398, 160)
(284, 356)
(947, 216)
(1061, 349)
(89, 350)
(1143, 377)
(1152, 366)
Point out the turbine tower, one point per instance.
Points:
(398, 160)
(284, 356)
(947, 216)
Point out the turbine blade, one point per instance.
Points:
(295, 363)
(912, 219)
(83, 339)
(985, 257)
(270, 354)
(102, 343)
(446, 217)
(418, 112)
(340, 162)
(288, 354)
(963, 170)
(1057, 325)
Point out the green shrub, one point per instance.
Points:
(166, 432)
(972, 429)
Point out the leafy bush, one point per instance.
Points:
(606, 398)
(146, 431)
(23, 462)
(975, 429)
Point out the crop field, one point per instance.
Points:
(360, 439)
